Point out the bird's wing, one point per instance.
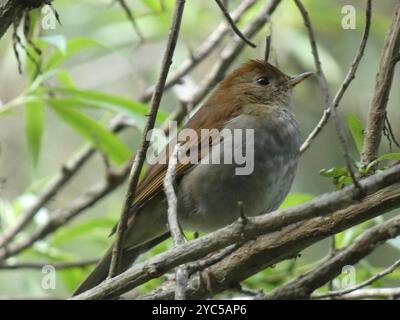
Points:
(152, 181)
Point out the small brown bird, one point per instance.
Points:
(255, 97)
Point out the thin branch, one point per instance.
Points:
(56, 265)
(233, 24)
(177, 235)
(257, 226)
(374, 293)
(346, 83)
(383, 85)
(363, 284)
(140, 155)
(208, 46)
(267, 52)
(67, 171)
(131, 18)
(173, 223)
(304, 285)
(325, 89)
(231, 52)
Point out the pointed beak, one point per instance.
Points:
(293, 81)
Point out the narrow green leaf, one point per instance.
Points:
(357, 130)
(86, 228)
(115, 103)
(34, 123)
(65, 78)
(90, 129)
(72, 47)
(387, 156)
(153, 5)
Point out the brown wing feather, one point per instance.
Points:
(153, 179)
(222, 109)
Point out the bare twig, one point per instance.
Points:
(230, 53)
(208, 46)
(267, 53)
(383, 84)
(56, 265)
(177, 235)
(233, 24)
(131, 18)
(325, 89)
(140, 155)
(256, 226)
(67, 172)
(346, 83)
(363, 284)
(304, 285)
(374, 293)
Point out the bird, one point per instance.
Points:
(255, 98)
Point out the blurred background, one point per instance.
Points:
(114, 60)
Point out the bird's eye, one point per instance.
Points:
(262, 81)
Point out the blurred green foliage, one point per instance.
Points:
(69, 93)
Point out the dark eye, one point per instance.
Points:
(262, 81)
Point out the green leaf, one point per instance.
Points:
(72, 47)
(115, 103)
(59, 41)
(153, 5)
(34, 123)
(90, 129)
(387, 156)
(82, 229)
(334, 172)
(294, 199)
(65, 78)
(357, 130)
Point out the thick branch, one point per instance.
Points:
(303, 286)
(239, 232)
(268, 250)
(383, 84)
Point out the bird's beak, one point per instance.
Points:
(293, 81)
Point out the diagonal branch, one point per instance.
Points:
(233, 24)
(363, 284)
(304, 285)
(272, 248)
(253, 227)
(140, 155)
(346, 83)
(325, 89)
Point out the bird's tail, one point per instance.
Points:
(100, 272)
